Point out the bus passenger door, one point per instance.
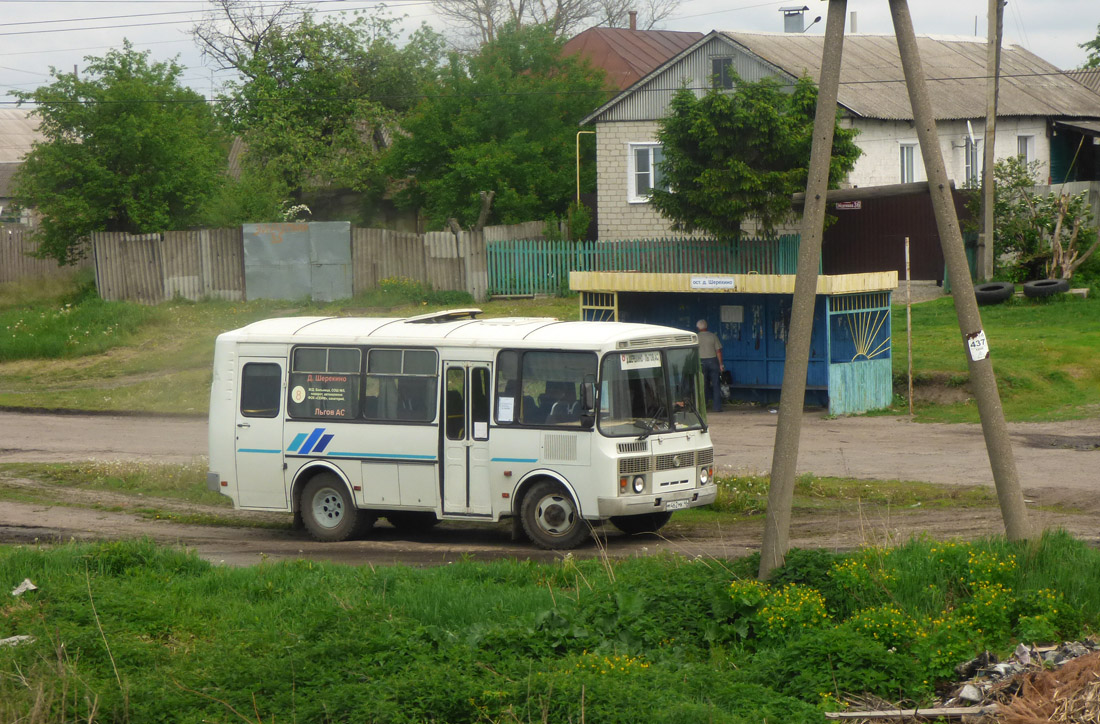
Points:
(259, 431)
(465, 434)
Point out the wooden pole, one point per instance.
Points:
(773, 549)
(974, 342)
(993, 74)
(909, 323)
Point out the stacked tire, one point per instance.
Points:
(1045, 288)
(994, 292)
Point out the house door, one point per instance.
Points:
(465, 432)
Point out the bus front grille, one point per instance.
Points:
(673, 461)
(630, 466)
(634, 447)
(706, 457)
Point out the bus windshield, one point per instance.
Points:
(648, 392)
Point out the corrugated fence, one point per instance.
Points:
(542, 267)
(16, 262)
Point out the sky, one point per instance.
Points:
(37, 34)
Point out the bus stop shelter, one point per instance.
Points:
(850, 369)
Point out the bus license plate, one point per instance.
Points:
(676, 504)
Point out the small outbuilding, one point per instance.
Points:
(850, 367)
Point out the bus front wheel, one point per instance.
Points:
(328, 511)
(550, 517)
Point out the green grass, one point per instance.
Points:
(1043, 354)
(161, 361)
(185, 483)
(128, 631)
(125, 357)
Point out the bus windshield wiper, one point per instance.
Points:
(649, 425)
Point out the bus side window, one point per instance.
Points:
(507, 392)
(261, 384)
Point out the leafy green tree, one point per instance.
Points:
(1038, 236)
(732, 156)
(503, 121)
(1093, 48)
(318, 100)
(127, 149)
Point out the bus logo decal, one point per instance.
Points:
(315, 443)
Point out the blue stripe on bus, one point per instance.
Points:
(297, 442)
(381, 455)
(514, 460)
(256, 450)
(314, 436)
(325, 440)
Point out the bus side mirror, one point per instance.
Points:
(588, 404)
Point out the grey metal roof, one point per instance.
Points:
(1089, 78)
(18, 130)
(872, 84)
(7, 170)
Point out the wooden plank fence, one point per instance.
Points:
(542, 267)
(152, 268)
(16, 262)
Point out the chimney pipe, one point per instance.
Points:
(633, 19)
(852, 24)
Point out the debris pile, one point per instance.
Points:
(1036, 684)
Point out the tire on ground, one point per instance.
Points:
(1045, 287)
(643, 523)
(550, 517)
(994, 292)
(329, 512)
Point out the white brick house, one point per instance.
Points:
(1037, 107)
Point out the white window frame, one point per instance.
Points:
(632, 194)
(1025, 148)
(915, 170)
(973, 160)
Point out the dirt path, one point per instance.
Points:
(1057, 463)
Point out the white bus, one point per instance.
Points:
(561, 425)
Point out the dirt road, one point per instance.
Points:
(1049, 454)
(1058, 465)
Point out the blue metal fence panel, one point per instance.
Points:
(542, 267)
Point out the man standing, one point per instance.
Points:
(710, 356)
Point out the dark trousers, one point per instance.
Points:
(712, 380)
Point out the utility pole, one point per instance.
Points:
(993, 79)
(975, 345)
(792, 399)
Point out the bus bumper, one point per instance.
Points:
(636, 504)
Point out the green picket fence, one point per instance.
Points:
(542, 267)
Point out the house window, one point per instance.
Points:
(721, 72)
(973, 162)
(1025, 148)
(908, 163)
(645, 173)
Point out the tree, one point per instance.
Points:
(480, 21)
(127, 149)
(1038, 236)
(1093, 48)
(501, 121)
(737, 155)
(317, 101)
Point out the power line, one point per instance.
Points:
(513, 94)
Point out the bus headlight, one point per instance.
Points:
(639, 484)
(704, 476)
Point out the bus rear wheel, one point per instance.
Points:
(328, 510)
(550, 517)
(643, 523)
